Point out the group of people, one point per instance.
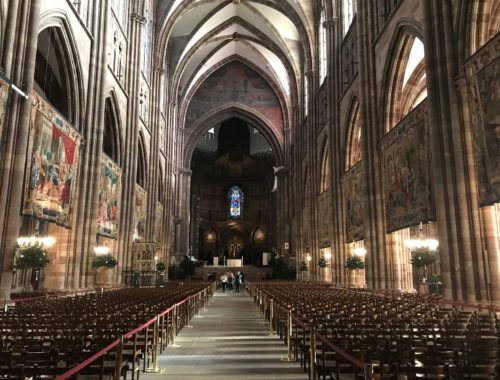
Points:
(232, 282)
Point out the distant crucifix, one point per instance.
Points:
(276, 170)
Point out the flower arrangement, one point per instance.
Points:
(104, 261)
(354, 262)
(30, 257)
(160, 266)
(303, 266)
(421, 257)
(322, 262)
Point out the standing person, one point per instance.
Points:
(223, 280)
(237, 283)
(230, 281)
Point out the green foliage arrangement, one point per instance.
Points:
(303, 266)
(354, 262)
(104, 261)
(422, 257)
(322, 262)
(435, 278)
(185, 268)
(30, 257)
(160, 266)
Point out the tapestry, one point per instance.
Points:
(406, 161)
(52, 164)
(158, 222)
(353, 203)
(4, 98)
(483, 84)
(110, 192)
(141, 204)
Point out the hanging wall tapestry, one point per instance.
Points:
(158, 221)
(4, 98)
(483, 84)
(353, 203)
(406, 164)
(110, 190)
(52, 164)
(141, 204)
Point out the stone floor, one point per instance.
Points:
(228, 340)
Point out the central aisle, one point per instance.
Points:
(227, 341)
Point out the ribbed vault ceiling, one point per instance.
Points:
(196, 37)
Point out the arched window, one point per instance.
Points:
(147, 32)
(322, 45)
(110, 142)
(348, 12)
(354, 137)
(408, 86)
(236, 198)
(325, 169)
(141, 163)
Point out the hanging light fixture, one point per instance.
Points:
(101, 249)
(360, 251)
(420, 242)
(35, 240)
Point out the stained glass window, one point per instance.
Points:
(235, 196)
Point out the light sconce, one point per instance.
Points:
(420, 242)
(36, 240)
(360, 251)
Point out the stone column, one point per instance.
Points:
(376, 263)
(184, 210)
(20, 68)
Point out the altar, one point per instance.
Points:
(233, 263)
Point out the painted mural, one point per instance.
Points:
(4, 98)
(236, 83)
(52, 164)
(110, 190)
(158, 222)
(353, 203)
(483, 84)
(141, 204)
(407, 172)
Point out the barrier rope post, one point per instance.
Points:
(174, 324)
(5, 306)
(205, 299)
(312, 353)
(289, 335)
(271, 316)
(188, 311)
(154, 363)
(118, 360)
(162, 335)
(368, 369)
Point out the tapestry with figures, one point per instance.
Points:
(353, 203)
(158, 221)
(4, 98)
(52, 164)
(141, 204)
(483, 83)
(110, 190)
(406, 163)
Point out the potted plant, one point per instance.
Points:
(354, 262)
(302, 266)
(322, 262)
(422, 257)
(160, 266)
(101, 263)
(34, 258)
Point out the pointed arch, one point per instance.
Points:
(56, 33)
(112, 139)
(353, 135)
(325, 167)
(484, 22)
(404, 79)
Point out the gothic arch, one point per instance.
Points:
(57, 22)
(141, 175)
(402, 89)
(112, 139)
(353, 135)
(227, 111)
(272, 84)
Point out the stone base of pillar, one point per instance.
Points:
(5, 285)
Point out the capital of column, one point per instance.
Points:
(138, 18)
(330, 22)
(160, 70)
(184, 171)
